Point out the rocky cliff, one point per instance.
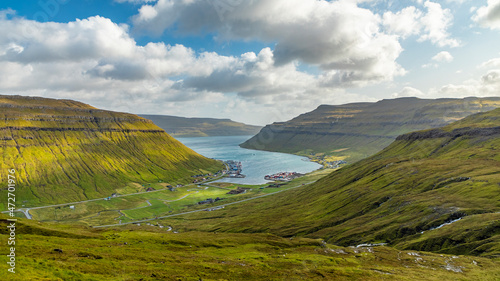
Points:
(359, 130)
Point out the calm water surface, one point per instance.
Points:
(256, 164)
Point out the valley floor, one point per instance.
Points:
(148, 207)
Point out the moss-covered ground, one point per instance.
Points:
(150, 253)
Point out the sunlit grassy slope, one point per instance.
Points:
(151, 253)
(358, 130)
(422, 180)
(66, 151)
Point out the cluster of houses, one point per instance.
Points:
(158, 225)
(209, 201)
(169, 187)
(233, 170)
(172, 188)
(214, 208)
(276, 185)
(112, 196)
(209, 176)
(283, 176)
(238, 190)
(336, 164)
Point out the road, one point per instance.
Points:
(202, 210)
(26, 211)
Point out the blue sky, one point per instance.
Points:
(255, 61)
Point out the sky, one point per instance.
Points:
(253, 61)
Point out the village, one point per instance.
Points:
(283, 176)
(209, 176)
(335, 164)
(233, 169)
(153, 200)
(328, 161)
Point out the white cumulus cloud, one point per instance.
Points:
(489, 15)
(405, 22)
(430, 25)
(492, 63)
(443, 57)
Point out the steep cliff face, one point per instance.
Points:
(362, 129)
(201, 127)
(67, 151)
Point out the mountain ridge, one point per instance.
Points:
(201, 127)
(362, 129)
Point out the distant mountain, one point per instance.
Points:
(201, 127)
(66, 151)
(404, 196)
(358, 130)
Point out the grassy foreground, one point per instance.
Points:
(150, 253)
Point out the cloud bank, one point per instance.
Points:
(339, 37)
(97, 61)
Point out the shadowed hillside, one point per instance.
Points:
(400, 196)
(201, 127)
(62, 252)
(355, 131)
(66, 151)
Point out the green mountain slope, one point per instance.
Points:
(398, 196)
(63, 252)
(201, 127)
(358, 130)
(65, 151)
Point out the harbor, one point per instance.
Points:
(234, 169)
(254, 164)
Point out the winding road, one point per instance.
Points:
(26, 211)
(202, 210)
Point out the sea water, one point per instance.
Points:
(255, 163)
